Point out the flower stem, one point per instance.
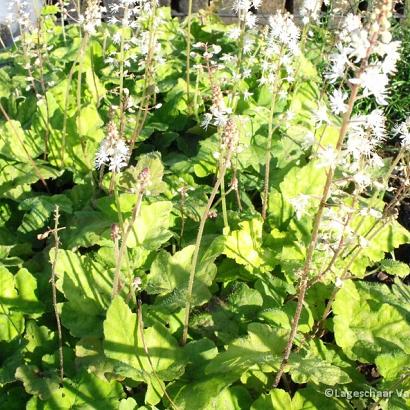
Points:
(221, 176)
(188, 52)
(223, 200)
(54, 291)
(314, 239)
(123, 248)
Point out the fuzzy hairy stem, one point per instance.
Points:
(314, 240)
(271, 130)
(181, 232)
(328, 307)
(267, 162)
(54, 290)
(79, 88)
(141, 329)
(123, 248)
(354, 254)
(44, 92)
(221, 176)
(218, 201)
(122, 59)
(148, 74)
(319, 214)
(223, 200)
(340, 247)
(188, 52)
(62, 12)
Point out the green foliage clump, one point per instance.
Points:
(121, 347)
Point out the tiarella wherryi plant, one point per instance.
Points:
(196, 215)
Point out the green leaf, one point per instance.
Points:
(393, 364)
(123, 343)
(170, 273)
(150, 229)
(232, 398)
(35, 383)
(250, 153)
(95, 86)
(40, 209)
(89, 354)
(316, 370)
(110, 206)
(49, 10)
(305, 101)
(86, 391)
(310, 399)
(87, 286)
(17, 144)
(73, 147)
(365, 326)
(308, 180)
(152, 162)
(202, 394)
(40, 340)
(262, 347)
(27, 301)
(16, 177)
(88, 121)
(128, 404)
(244, 300)
(198, 353)
(11, 322)
(9, 366)
(390, 237)
(393, 267)
(5, 84)
(277, 399)
(86, 229)
(283, 316)
(245, 247)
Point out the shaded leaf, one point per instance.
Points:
(35, 383)
(263, 346)
(123, 343)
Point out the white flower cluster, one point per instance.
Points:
(338, 102)
(403, 132)
(300, 204)
(281, 47)
(92, 17)
(219, 112)
(113, 151)
(310, 10)
(360, 156)
(243, 9)
(365, 133)
(356, 45)
(334, 227)
(20, 14)
(284, 32)
(136, 15)
(128, 12)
